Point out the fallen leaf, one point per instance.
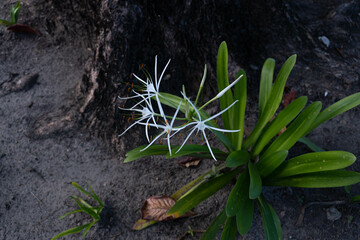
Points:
(22, 28)
(189, 162)
(289, 97)
(156, 208)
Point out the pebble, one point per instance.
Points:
(325, 40)
(333, 214)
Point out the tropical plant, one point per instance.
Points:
(258, 160)
(85, 207)
(14, 15)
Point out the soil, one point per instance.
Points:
(37, 167)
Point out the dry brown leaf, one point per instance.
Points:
(289, 97)
(189, 162)
(156, 208)
(22, 28)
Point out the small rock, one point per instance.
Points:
(325, 41)
(333, 214)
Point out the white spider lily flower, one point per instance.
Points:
(147, 113)
(200, 125)
(152, 89)
(167, 129)
(222, 92)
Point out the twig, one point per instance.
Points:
(41, 202)
(300, 219)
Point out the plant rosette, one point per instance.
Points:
(258, 160)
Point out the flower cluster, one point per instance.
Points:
(150, 92)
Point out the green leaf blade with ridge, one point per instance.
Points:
(266, 80)
(237, 158)
(201, 193)
(281, 121)
(327, 179)
(295, 131)
(271, 221)
(240, 94)
(239, 195)
(150, 151)
(273, 102)
(230, 230)
(223, 82)
(315, 162)
(215, 226)
(335, 109)
(267, 165)
(255, 187)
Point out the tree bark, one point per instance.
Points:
(132, 33)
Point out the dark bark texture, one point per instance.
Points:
(130, 33)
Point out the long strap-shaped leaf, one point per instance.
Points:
(270, 163)
(229, 232)
(271, 221)
(282, 120)
(194, 150)
(239, 195)
(335, 178)
(239, 110)
(215, 226)
(223, 82)
(315, 162)
(295, 131)
(201, 193)
(266, 80)
(337, 108)
(152, 150)
(273, 102)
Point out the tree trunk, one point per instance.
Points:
(132, 33)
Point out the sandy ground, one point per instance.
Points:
(36, 172)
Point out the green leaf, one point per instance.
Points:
(273, 102)
(78, 187)
(315, 162)
(313, 147)
(271, 221)
(71, 231)
(5, 23)
(152, 150)
(295, 131)
(239, 110)
(267, 75)
(17, 11)
(355, 198)
(282, 120)
(215, 226)
(255, 181)
(337, 108)
(267, 165)
(229, 231)
(245, 216)
(334, 178)
(193, 150)
(223, 82)
(88, 228)
(96, 196)
(239, 195)
(88, 210)
(237, 158)
(201, 193)
(69, 213)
